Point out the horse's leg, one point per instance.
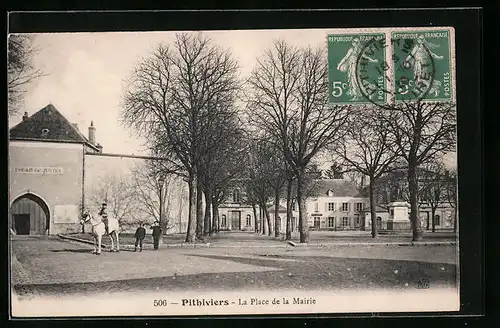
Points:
(99, 240)
(117, 242)
(95, 244)
(112, 242)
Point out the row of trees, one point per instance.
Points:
(188, 101)
(182, 99)
(142, 196)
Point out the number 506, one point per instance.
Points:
(160, 303)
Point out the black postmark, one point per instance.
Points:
(411, 62)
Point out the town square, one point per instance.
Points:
(320, 161)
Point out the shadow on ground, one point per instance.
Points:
(307, 273)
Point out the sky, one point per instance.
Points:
(85, 73)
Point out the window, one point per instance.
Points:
(331, 207)
(345, 207)
(437, 220)
(223, 221)
(359, 207)
(236, 196)
(331, 222)
(392, 212)
(249, 220)
(316, 207)
(345, 221)
(356, 220)
(294, 206)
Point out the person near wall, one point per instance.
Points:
(156, 234)
(140, 234)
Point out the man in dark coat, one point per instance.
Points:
(140, 234)
(156, 234)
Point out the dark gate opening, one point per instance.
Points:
(30, 215)
(236, 220)
(22, 224)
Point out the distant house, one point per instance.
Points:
(46, 172)
(335, 204)
(393, 187)
(234, 212)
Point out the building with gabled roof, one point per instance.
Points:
(46, 172)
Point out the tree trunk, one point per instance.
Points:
(413, 189)
(191, 229)
(433, 211)
(363, 219)
(208, 208)
(256, 219)
(215, 216)
(277, 218)
(427, 223)
(199, 211)
(303, 226)
(268, 219)
(263, 219)
(289, 213)
(373, 213)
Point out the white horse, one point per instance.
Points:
(99, 229)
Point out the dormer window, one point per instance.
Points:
(329, 193)
(45, 132)
(236, 196)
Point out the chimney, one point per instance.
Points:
(99, 147)
(25, 116)
(92, 133)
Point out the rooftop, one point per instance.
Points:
(48, 124)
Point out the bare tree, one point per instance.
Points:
(420, 132)
(21, 69)
(260, 172)
(153, 194)
(118, 192)
(368, 149)
(289, 100)
(167, 100)
(433, 188)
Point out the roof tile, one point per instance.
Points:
(48, 118)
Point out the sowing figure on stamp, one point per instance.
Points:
(348, 64)
(99, 229)
(419, 58)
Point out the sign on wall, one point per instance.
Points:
(66, 214)
(39, 170)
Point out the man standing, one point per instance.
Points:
(140, 234)
(156, 234)
(104, 214)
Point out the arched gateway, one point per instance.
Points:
(30, 215)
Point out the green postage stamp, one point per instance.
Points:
(354, 74)
(392, 65)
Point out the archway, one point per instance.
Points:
(30, 215)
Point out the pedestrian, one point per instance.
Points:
(140, 234)
(156, 234)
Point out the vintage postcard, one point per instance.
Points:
(190, 173)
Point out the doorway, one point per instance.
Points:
(22, 224)
(235, 220)
(30, 215)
